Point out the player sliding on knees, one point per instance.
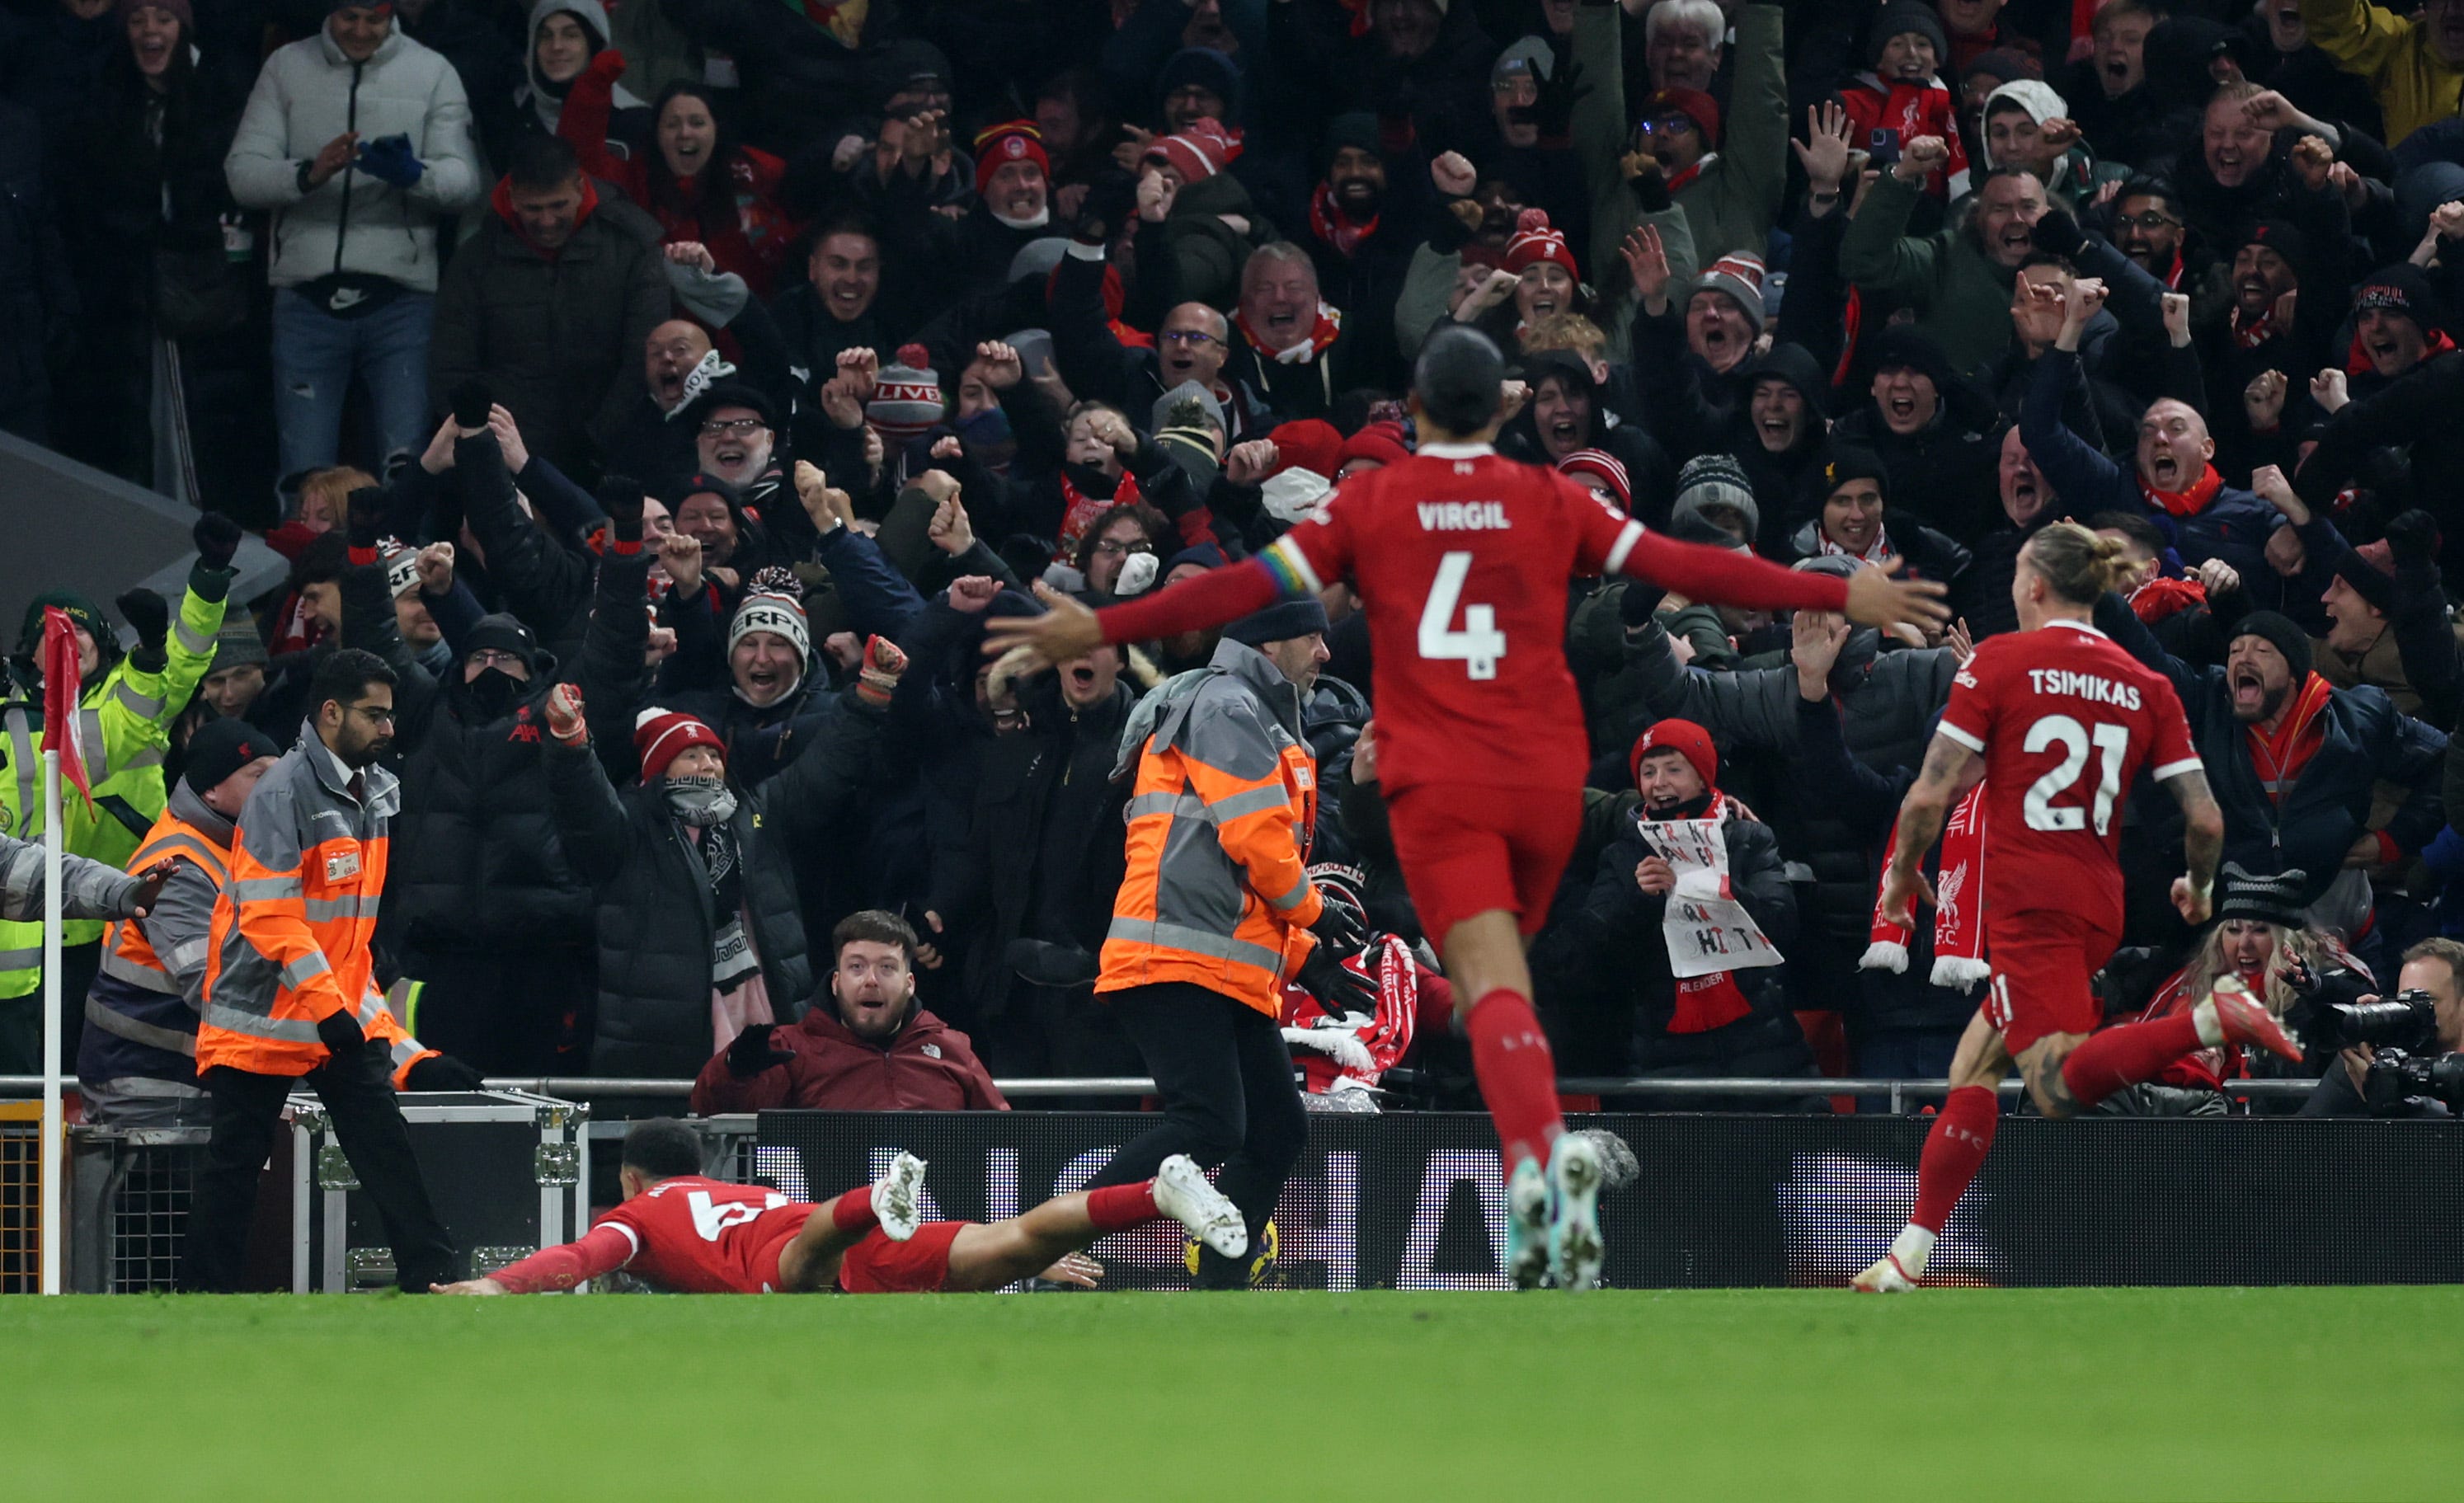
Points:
(695, 1235)
(2057, 721)
(1462, 559)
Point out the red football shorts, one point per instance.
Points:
(2042, 959)
(1468, 848)
(916, 1266)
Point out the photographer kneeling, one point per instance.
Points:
(2396, 1057)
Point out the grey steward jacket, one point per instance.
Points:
(91, 890)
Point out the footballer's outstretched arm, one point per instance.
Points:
(603, 1250)
(1950, 770)
(2203, 843)
(1067, 629)
(1870, 596)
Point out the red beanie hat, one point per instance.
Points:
(1687, 740)
(1693, 103)
(1200, 152)
(1010, 141)
(1607, 467)
(1380, 442)
(661, 736)
(1310, 444)
(1534, 242)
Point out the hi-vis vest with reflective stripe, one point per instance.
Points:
(124, 723)
(135, 996)
(1220, 818)
(291, 940)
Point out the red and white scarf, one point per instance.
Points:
(1351, 1051)
(2161, 598)
(2257, 332)
(1321, 336)
(1330, 223)
(1959, 913)
(1879, 550)
(1681, 178)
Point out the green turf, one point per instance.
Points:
(2342, 1393)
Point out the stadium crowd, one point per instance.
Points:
(665, 394)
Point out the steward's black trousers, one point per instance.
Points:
(1229, 1099)
(358, 1091)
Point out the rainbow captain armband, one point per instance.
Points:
(1290, 569)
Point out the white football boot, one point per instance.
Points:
(1182, 1193)
(1575, 1249)
(897, 1197)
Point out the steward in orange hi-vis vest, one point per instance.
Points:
(291, 1000)
(1220, 820)
(290, 943)
(1217, 911)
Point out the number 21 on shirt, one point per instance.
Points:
(1480, 644)
(2112, 744)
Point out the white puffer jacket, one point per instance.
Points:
(307, 94)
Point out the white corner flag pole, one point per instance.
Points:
(54, 1130)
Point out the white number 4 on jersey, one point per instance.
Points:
(1480, 644)
(711, 1218)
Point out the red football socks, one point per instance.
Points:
(2128, 1055)
(1518, 1076)
(1962, 1133)
(1117, 1208)
(853, 1211)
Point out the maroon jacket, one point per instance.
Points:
(928, 1067)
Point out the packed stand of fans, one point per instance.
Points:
(730, 363)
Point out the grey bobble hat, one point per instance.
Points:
(1716, 480)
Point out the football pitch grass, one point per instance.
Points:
(2155, 1393)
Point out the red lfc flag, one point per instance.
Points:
(60, 683)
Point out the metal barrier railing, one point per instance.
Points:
(1900, 1092)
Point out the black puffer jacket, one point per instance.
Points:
(655, 918)
(1016, 846)
(2368, 741)
(476, 862)
(1886, 702)
(558, 337)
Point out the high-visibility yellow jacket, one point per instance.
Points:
(1220, 820)
(126, 725)
(2413, 84)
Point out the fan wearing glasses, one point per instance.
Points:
(735, 437)
(2148, 228)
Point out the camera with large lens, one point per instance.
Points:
(2396, 1075)
(2407, 1020)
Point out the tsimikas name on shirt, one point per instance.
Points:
(2083, 685)
(1464, 517)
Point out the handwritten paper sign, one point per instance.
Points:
(1706, 930)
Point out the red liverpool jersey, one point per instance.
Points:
(1462, 560)
(701, 1236)
(2065, 720)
